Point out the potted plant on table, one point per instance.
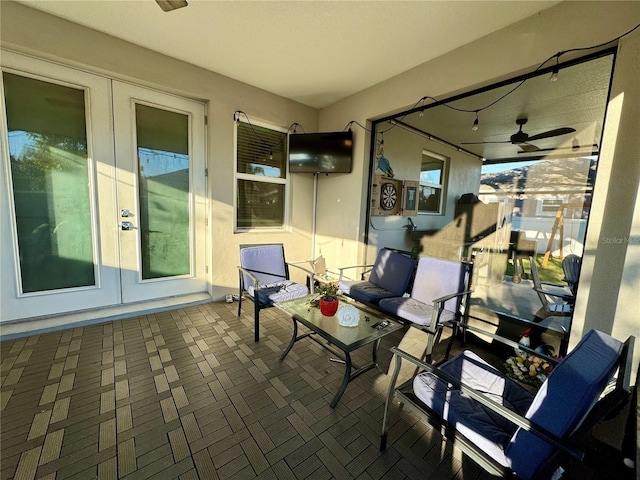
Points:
(328, 300)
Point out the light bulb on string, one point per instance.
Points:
(554, 71)
(475, 123)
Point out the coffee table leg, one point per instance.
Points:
(345, 380)
(374, 353)
(293, 339)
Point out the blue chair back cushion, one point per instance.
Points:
(266, 262)
(392, 271)
(389, 277)
(565, 398)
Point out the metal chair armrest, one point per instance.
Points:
(438, 307)
(299, 264)
(342, 269)
(251, 275)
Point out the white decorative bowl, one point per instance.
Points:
(348, 316)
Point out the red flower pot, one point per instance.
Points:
(328, 307)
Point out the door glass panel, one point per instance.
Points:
(163, 155)
(50, 177)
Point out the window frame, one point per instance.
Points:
(441, 186)
(286, 224)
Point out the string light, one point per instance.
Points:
(475, 123)
(555, 70)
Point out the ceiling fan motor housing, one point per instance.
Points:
(520, 136)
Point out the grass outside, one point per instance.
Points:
(551, 273)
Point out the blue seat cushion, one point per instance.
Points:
(368, 292)
(413, 310)
(484, 428)
(278, 292)
(567, 395)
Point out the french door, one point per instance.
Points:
(105, 192)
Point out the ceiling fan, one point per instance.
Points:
(522, 139)
(169, 5)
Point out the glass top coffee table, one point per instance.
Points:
(370, 329)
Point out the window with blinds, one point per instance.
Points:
(261, 177)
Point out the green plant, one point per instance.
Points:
(327, 291)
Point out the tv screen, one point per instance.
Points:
(320, 152)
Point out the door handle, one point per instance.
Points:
(124, 213)
(126, 226)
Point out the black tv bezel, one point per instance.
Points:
(334, 136)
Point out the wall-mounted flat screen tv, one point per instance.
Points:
(329, 152)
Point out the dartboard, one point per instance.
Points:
(388, 196)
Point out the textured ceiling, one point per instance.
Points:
(314, 52)
(576, 100)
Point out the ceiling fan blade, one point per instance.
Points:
(528, 148)
(582, 149)
(169, 5)
(552, 133)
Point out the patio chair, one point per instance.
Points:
(440, 294)
(389, 276)
(264, 279)
(548, 292)
(571, 267)
(504, 428)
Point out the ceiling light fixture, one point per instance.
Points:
(475, 123)
(170, 5)
(554, 71)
